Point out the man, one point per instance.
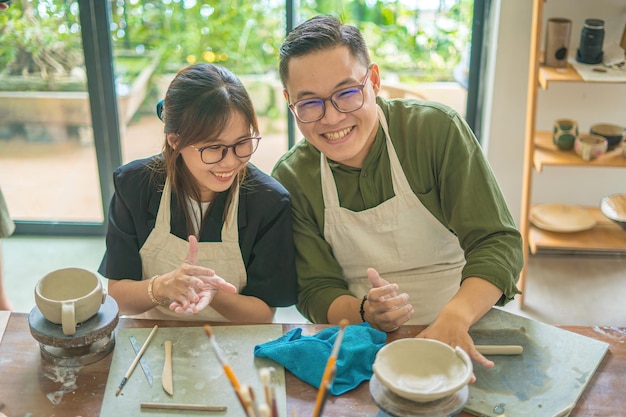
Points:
(394, 203)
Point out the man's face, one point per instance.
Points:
(343, 137)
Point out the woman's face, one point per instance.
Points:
(217, 177)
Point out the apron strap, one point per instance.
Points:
(163, 214)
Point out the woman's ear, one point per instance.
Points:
(172, 139)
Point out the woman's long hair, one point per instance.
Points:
(198, 105)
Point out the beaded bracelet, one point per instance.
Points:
(361, 309)
(151, 294)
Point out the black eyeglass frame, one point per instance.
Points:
(360, 87)
(225, 149)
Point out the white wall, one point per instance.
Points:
(504, 119)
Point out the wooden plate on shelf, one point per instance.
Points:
(564, 218)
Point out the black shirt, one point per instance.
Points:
(264, 220)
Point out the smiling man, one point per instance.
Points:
(398, 218)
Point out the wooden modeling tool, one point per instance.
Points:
(183, 407)
(166, 376)
(329, 372)
(499, 349)
(136, 361)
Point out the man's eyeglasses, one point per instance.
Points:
(212, 154)
(349, 99)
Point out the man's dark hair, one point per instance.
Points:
(317, 34)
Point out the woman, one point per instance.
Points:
(198, 232)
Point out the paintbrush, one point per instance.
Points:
(247, 401)
(222, 358)
(136, 361)
(266, 375)
(329, 372)
(227, 369)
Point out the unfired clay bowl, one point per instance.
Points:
(422, 370)
(614, 208)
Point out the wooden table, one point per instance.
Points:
(28, 383)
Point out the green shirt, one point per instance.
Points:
(447, 171)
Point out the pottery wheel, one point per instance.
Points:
(397, 406)
(92, 341)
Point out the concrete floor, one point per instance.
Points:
(560, 289)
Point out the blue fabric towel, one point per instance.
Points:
(306, 356)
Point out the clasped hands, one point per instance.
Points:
(191, 287)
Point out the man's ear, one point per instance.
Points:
(375, 78)
(172, 139)
(286, 95)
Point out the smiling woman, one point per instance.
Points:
(197, 232)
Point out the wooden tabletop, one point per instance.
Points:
(30, 386)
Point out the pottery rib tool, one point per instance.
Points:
(136, 360)
(142, 361)
(183, 407)
(499, 349)
(329, 372)
(166, 376)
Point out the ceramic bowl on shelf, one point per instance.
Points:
(589, 146)
(614, 207)
(612, 133)
(422, 370)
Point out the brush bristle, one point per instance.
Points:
(209, 330)
(265, 375)
(344, 323)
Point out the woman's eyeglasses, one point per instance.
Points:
(212, 154)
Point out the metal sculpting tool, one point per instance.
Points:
(142, 361)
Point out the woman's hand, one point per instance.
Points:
(190, 287)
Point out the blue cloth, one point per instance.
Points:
(306, 356)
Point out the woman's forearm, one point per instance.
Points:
(131, 296)
(242, 308)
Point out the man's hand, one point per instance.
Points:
(384, 308)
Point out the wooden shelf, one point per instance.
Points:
(546, 153)
(549, 74)
(606, 238)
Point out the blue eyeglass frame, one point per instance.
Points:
(360, 86)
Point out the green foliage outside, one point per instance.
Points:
(42, 37)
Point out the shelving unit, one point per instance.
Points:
(539, 151)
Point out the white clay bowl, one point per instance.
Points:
(422, 370)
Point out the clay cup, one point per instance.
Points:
(69, 297)
(590, 146)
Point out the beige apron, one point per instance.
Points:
(163, 252)
(399, 238)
